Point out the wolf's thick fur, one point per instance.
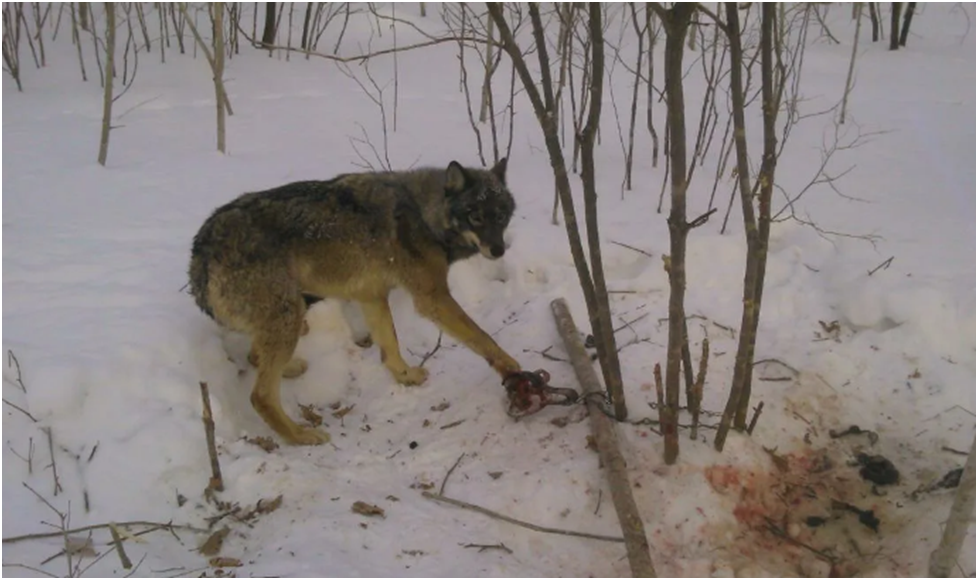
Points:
(259, 260)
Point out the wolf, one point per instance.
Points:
(259, 261)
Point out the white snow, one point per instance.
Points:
(111, 349)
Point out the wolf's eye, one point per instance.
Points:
(475, 218)
(501, 218)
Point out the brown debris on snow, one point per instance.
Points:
(809, 510)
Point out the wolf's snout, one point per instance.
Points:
(497, 251)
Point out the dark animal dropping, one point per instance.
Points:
(878, 469)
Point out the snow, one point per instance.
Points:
(111, 350)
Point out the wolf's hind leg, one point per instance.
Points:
(354, 317)
(296, 367)
(273, 343)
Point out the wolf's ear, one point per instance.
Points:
(456, 178)
(499, 170)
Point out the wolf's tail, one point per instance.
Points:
(199, 267)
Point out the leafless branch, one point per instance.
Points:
(514, 521)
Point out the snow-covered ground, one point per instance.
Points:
(111, 349)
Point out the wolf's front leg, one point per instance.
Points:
(378, 316)
(442, 309)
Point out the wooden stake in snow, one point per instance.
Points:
(606, 438)
(217, 482)
(956, 528)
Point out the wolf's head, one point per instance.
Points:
(479, 206)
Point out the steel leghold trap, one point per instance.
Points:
(528, 393)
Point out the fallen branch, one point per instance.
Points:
(484, 547)
(885, 265)
(633, 248)
(216, 482)
(444, 482)
(170, 526)
(432, 352)
(117, 543)
(755, 417)
(496, 515)
(961, 516)
(606, 437)
(21, 409)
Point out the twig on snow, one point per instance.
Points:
(755, 417)
(484, 547)
(444, 482)
(633, 248)
(885, 265)
(21, 409)
(543, 529)
(432, 352)
(169, 526)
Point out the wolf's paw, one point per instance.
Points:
(295, 368)
(412, 376)
(309, 436)
(363, 341)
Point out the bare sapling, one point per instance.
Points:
(895, 25)
(215, 58)
(103, 148)
(756, 226)
(858, 11)
(76, 39)
(675, 21)
(907, 18)
(11, 43)
(543, 100)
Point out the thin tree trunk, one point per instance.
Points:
(305, 26)
(103, 148)
(961, 517)
(216, 61)
(142, 26)
(39, 24)
(487, 78)
(649, 121)
(767, 174)
(858, 10)
(178, 27)
(874, 19)
(268, 34)
(905, 31)
(219, 72)
(738, 402)
(745, 344)
(601, 317)
(895, 25)
(630, 152)
(543, 106)
(676, 23)
(76, 38)
(606, 439)
(83, 15)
